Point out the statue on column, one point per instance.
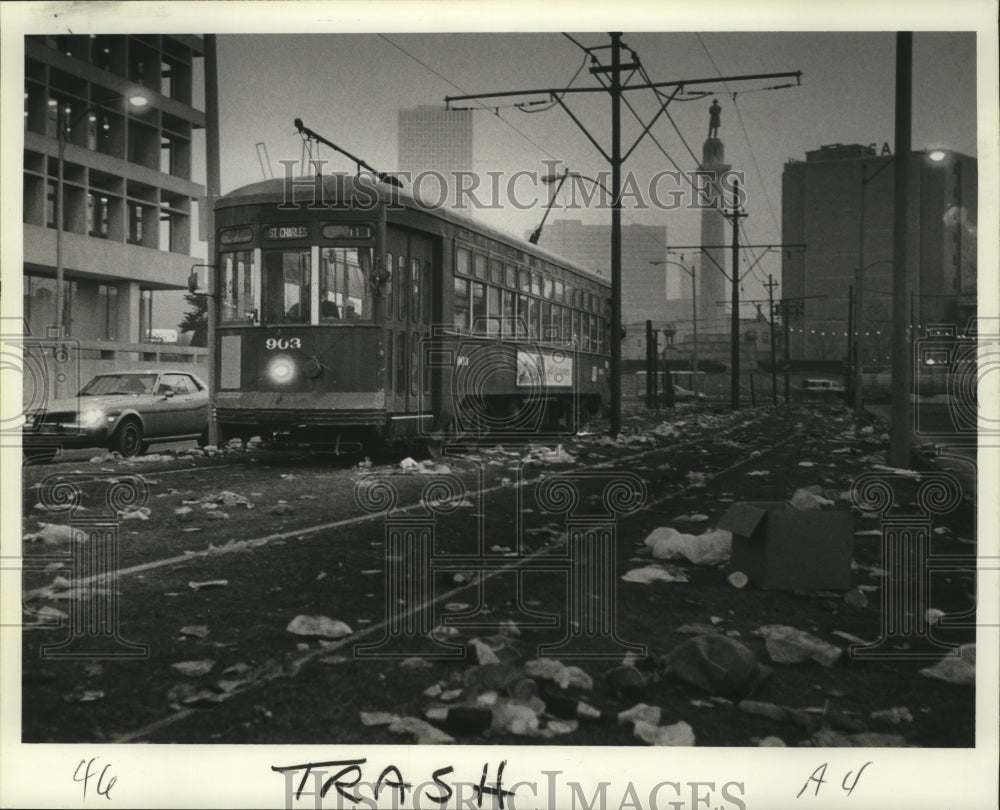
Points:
(713, 119)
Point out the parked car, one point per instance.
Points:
(123, 411)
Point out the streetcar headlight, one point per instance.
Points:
(281, 370)
(91, 417)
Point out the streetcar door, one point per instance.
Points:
(408, 311)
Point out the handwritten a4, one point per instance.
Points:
(817, 777)
(102, 788)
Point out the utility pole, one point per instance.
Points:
(616, 89)
(734, 321)
(771, 284)
(901, 409)
(213, 173)
(785, 312)
(849, 376)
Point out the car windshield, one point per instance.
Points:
(119, 384)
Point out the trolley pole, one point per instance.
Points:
(771, 284)
(616, 236)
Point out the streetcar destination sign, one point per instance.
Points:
(273, 232)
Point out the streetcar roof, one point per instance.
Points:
(369, 194)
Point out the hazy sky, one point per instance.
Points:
(348, 87)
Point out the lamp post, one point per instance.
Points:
(694, 317)
(136, 100)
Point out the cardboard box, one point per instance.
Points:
(782, 548)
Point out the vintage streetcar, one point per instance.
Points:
(348, 313)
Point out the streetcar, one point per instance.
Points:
(349, 312)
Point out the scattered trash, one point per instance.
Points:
(322, 626)
(282, 508)
(334, 659)
(716, 664)
(218, 514)
(212, 583)
(424, 732)
(83, 696)
(807, 464)
(679, 733)
(710, 548)
(415, 663)
(51, 533)
(696, 479)
(809, 499)
(461, 719)
(378, 718)
(738, 579)
(696, 518)
(850, 637)
(771, 742)
(194, 669)
(652, 573)
(569, 708)
(787, 645)
(759, 472)
(199, 630)
(856, 598)
(408, 464)
(626, 682)
(697, 629)
(515, 718)
(641, 712)
(142, 513)
(895, 715)
(958, 669)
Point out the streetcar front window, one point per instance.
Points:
(286, 286)
(237, 304)
(344, 292)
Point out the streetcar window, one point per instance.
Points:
(547, 287)
(481, 266)
(237, 287)
(575, 330)
(508, 314)
(463, 261)
(567, 324)
(585, 331)
(524, 281)
(401, 288)
(401, 362)
(496, 271)
(344, 292)
(387, 287)
(558, 291)
(510, 276)
(414, 363)
(546, 319)
(493, 308)
(427, 282)
(286, 286)
(533, 317)
(478, 308)
(536, 284)
(415, 291)
(461, 305)
(236, 236)
(521, 327)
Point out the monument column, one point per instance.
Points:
(711, 282)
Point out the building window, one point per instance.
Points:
(107, 305)
(40, 304)
(97, 215)
(145, 315)
(135, 223)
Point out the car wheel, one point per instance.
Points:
(144, 449)
(128, 439)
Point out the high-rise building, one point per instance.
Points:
(839, 203)
(644, 286)
(435, 141)
(109, 121)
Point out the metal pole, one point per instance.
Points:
(859, 338)
(734, 321)
(784, 317)
(650, 368)
(60, 271)
(902, 416)
(849, 376)
(774, 369)
(213, 179)
(694, 330)
(616, 237)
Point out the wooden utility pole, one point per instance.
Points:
(734, 320)
(771, 284)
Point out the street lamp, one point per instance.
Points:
(694, 317)
(549, 179)
(135, 99)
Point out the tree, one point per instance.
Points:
(196, 319)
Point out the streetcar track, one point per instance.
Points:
(292, 667)
(258, 542)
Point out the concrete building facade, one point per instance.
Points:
(839, 203)
(127, 188)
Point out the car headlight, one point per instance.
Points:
(91, 417)
(281, 370)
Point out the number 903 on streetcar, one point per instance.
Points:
(350, 313)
